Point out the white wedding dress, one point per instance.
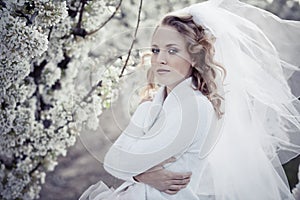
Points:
(176, 126)
(239, 157)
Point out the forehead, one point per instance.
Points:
(165, 35)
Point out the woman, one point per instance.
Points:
(189, 143)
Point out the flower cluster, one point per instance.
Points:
(47, 88)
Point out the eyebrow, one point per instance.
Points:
(168, 45)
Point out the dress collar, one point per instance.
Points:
(159, 101)
(159, 98)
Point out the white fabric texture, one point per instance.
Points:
(157, 131)
(261, 124)
(240, 156)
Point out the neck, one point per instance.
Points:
(167, 91)
(169, 88)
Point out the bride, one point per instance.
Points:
(212, 131)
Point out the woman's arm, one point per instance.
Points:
(135, 152)
(164, 180)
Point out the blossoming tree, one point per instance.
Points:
(44, 47)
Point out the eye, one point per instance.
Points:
(155, 50)
(172, 51)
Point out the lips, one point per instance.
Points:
(162, 71)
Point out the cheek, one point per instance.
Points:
(153, 59)
(185, 71)
(182, 67)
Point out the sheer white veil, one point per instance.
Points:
(261, 127)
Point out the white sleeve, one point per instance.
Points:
(126, 140)
(171, 134)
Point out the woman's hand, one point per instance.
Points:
(164, 180)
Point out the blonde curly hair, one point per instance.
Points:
(200, 45)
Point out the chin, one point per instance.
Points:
(170, 84)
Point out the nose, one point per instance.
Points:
(161, 58)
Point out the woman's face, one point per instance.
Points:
(170, 59)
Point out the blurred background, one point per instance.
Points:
(82, 165)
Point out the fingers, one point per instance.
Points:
(177, 187)
(155, 168)
(173, 189)
(180, 176)
(169, 160)
(160, 165)
(171, 192)
(181, 182)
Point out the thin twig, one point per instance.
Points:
(92, 90)
(83, 2)
(104, 23)
(21, 14)
(50, 31)
(134, 38)
(99, 84)
(78, 30)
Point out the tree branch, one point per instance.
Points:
(78, 30)
(99, 84)
(104, 23)
(83, 2)
(21, 14)
(50, 31)
(134, 39)
(30, 19)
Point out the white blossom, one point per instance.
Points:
(36, 125)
